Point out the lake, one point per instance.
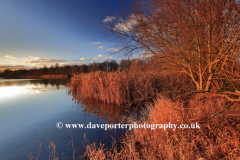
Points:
(30, 110)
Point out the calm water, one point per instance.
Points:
(30, 109)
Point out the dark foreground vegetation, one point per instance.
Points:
(196, 45)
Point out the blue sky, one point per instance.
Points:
(34, 33)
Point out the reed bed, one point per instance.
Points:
(217, 138)
(116, 87)
(123, 87)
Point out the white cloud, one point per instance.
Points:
(98, 57)
(110, 57)
(82, 59)
(145, 54)
(108, 19)
(100, 47)
(126, 26)
(68, 64)
(112, 49)
(96, 43)
(44, 60)
(135, 57)
(9, 56)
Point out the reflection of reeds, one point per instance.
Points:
(110, 112)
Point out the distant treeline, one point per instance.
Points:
(124, 64)
(67, 70)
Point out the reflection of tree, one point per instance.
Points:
(112, 113)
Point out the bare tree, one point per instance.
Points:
(200, 38)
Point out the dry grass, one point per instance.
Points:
(114, 87)
(126, 87)
(217, 138)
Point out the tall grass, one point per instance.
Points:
(113, 87)
(217, 138)
(125, 87)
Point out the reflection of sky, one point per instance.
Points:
(30, 117)
(12, 91)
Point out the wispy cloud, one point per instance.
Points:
(90, 60)
(9, 56)
(126, 26)
(100, 47)
(69, 63)
(96, 43)
(98, 57)
(44, 60)
(145, 54)
(110, 57)
(81, 60)
(60, 64)
(135, 57)
(112, 49)
(109, 19)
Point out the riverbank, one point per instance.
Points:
(124, 87)
(217, 137)
(216, 134)
(214, 131)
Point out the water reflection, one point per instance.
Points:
(30, 109)
(16, 87)
(112, 113)
(36, 82)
